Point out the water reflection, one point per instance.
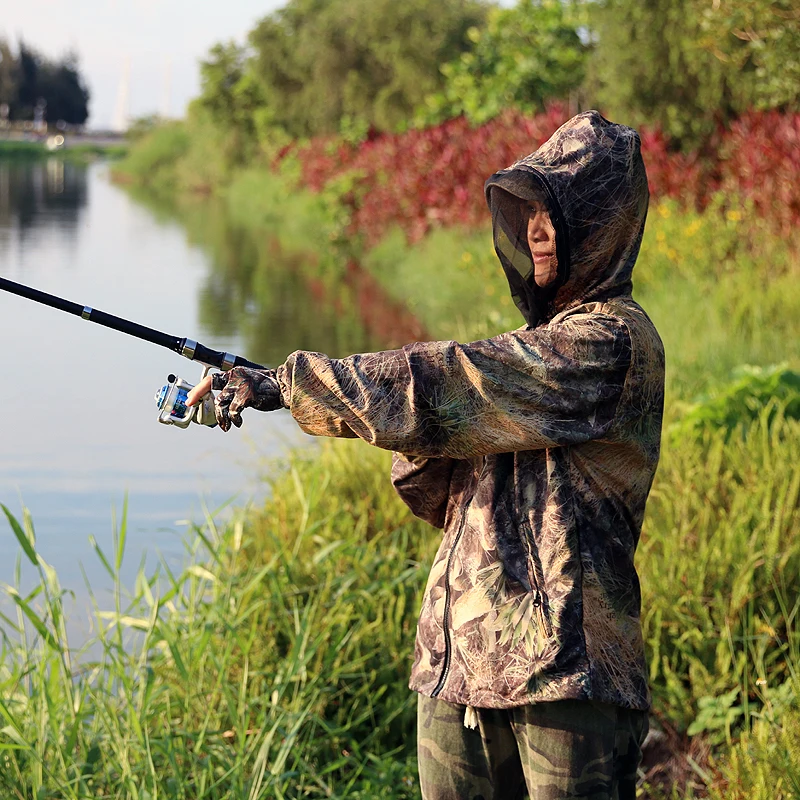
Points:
(81, 433)
(278, 302)
(50, 193)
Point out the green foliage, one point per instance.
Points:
(9, 74)
(472, 297)
(717, 715)
(690, 64)
(754, 389)
(718, 620)
(324, 64)
(522, 57)
(139, 127)
(197, 155)
(765, 764)
(153, 160)
(231, 98)
(722, 290)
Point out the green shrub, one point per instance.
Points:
(153, 161)
(753, 390)
(764, 764)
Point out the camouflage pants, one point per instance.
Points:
(548, 751)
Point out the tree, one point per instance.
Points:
(228, 88)
(328, 63)
(521, 58)
(690, 65)
(27, 95)
(30, 80)
(61, 87)
(9, 74)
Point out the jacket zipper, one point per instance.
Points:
(545, 628)
(448, 647)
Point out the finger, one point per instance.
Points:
(241, 399)
(199, 391)
(221, 409)
(219, 380)
(223, 420)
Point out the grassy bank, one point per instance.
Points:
(24, 151)
(276, 664)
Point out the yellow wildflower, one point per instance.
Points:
(692, 228)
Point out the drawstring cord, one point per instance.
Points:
(470, 718)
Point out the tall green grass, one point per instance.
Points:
(276, 664)
(232, 679)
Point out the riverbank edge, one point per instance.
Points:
(264, 201)
(81, 152)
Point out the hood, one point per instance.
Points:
(592, 177)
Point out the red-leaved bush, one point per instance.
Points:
(759, 159)
(670, 173)
(435, 176)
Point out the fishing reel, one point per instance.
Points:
(171, 401)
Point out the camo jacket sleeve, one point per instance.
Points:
(554, 385)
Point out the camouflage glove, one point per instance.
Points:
(243, 387)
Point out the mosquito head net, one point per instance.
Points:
(592, 179)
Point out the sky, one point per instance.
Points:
(157, 42)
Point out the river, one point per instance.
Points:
(79, 429)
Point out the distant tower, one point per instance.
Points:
(166, 92)
(121, 117)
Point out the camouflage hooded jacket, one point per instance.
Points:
(533, 450)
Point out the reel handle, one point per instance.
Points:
(171, 401)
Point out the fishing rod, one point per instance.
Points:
(171, 398)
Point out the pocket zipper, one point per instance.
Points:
(539, 597)
(448, 647)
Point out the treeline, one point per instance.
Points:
(33, 87)
(349, 67)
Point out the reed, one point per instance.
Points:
(216, 682)
(275, 664)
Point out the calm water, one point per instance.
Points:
(79, 427)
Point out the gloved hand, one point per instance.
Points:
(243, 387)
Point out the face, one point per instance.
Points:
(542, 243)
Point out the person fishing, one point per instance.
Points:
(534, 451)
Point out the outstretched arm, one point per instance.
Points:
(558, 384)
